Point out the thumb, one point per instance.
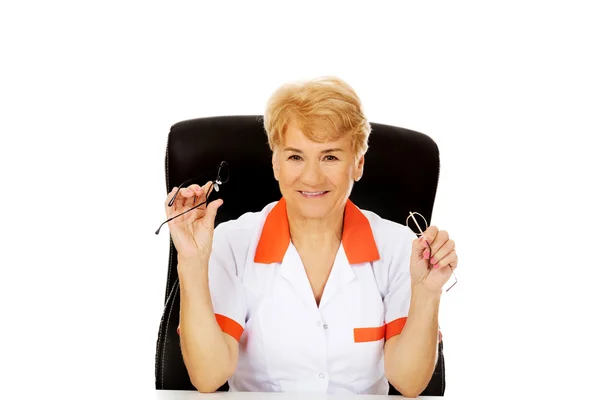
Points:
(211, 211)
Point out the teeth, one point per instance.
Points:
(312, 193)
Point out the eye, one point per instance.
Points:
(294, 157)
(330, 158)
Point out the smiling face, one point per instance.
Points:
(315, 179)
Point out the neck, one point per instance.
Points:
(322, 233)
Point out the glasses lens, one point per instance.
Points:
(417, 223)
(223, 174)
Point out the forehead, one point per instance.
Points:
(294, 137)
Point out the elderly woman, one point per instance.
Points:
(310, 294)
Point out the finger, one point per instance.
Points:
(427, 239)
(191, 191)
(419, 250)
(179, 200)
(195, 197)
(436, 238)
(194, 188)
(211, 212)
(443, 251)
(170, 195)
(430, 234)
(182, 200)
(196, 194)
(208, 189)
(450, 260)
(418, 246)
(199, 192)
(203, 193)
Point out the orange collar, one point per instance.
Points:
(357, 236)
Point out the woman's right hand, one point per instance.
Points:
(192, 232)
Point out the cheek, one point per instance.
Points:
(288, 174)
(340, 178)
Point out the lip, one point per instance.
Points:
(313, 196)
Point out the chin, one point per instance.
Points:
(312, 213)
(313, 207)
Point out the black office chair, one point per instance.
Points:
(401, 175)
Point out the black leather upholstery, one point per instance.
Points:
(401, 175)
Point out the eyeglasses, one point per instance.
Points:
(412, 215)
(222, 177)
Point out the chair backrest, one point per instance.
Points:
(400, 175)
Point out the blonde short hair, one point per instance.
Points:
(324, 108)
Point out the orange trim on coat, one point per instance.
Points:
(357, 236)
(227, 325)
(394, 327)
(275, 237)
(374, 334)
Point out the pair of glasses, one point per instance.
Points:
(411, 215)
(222, 177)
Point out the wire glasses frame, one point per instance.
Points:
(412, 215)
(222, 177)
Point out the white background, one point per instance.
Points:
(89, 90)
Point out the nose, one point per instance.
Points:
(312, 175)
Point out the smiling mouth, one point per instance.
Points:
(313, 194)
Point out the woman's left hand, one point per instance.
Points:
(433, 270)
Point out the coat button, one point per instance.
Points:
(321, 375)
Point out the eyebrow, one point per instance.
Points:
(323, 152)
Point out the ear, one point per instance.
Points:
(275, 163)
(360, 166)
